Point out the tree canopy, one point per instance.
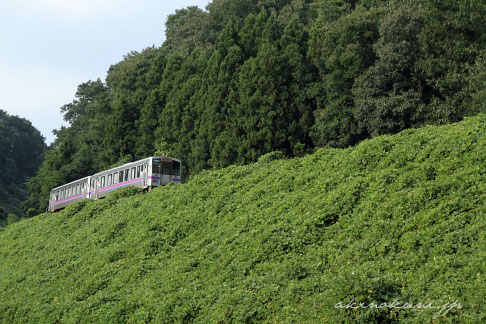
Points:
(21, 153)
(244, 78)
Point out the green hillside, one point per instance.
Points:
(244, 78)
(398, 217)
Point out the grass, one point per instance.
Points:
(280, 241)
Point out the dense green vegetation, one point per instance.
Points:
(21, 153)
(277, 241)
(247, 77)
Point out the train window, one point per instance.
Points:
(133, 173)
(77, 189)
(120, 178)
(92, 184)
(126, 174)
(138, 171)
(57, 195)
(71, 191)
(109, 180)
(115, 178)
(102, 181)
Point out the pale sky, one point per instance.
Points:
(49, 47)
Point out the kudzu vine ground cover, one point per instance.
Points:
(396, 218)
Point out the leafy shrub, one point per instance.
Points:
(272, 156)
(12, 218)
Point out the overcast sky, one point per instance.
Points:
(49, 47)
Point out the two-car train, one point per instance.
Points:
(145, 174)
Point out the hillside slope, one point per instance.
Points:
(280, 241)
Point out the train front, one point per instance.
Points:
(165, 170)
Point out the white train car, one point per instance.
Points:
(69, 193)
(144, 174)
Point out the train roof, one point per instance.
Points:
(134, 162)
(71, 183)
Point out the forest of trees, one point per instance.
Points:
(21, 153)
(247, 77)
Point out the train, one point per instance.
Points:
(145, 174)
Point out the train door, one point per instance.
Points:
(94, 188)
(86, 189)
(145, 183)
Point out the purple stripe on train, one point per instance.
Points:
(67, 199)
(109, 188)
(120, 185)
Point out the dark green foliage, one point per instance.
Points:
(279, 241)
(187, 29)
(3, 216)
(450, 41)
(341, 51)
(478, 83)
(389, 95)
(21, 152)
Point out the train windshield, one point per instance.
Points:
(166, 167)
(156, 165)
(176, 168)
